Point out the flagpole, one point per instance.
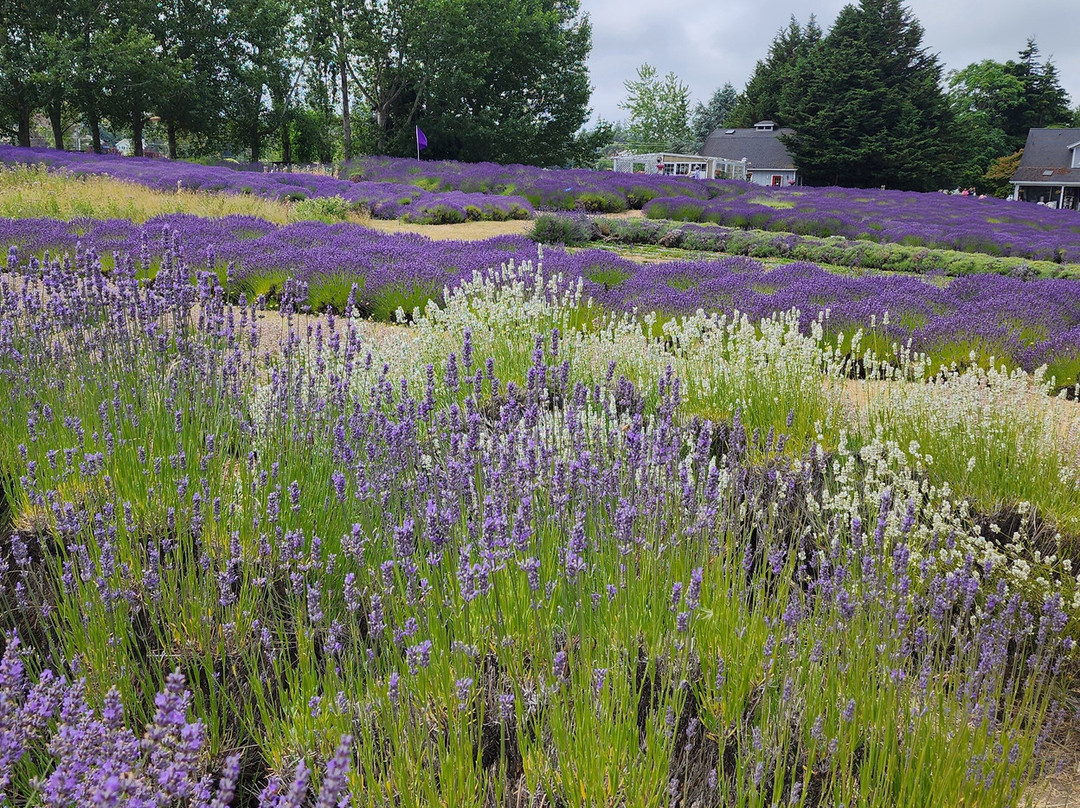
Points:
(420, 136)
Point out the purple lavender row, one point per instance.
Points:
(381, 200)
(989, 225)
(391, 188)
(546, 189)
(1027, 323)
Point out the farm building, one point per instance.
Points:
(680, 165)
(767, 159)
(1049, 170)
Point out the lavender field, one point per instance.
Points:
(582, 532)
(985, 225)
(1023, 323)
(387, 188)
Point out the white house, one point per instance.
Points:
(767, 159)
(1049, 170)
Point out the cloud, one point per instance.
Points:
(708, 43)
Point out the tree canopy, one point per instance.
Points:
(868, 109)
(707, 117)
(995, 104)
(486, 79)
(659, 111)
(773, 77)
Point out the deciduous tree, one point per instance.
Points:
(507, 82)
(659, 111)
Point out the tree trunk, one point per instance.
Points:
(136, 132)
(346, 119)
(286, 142)
(57, 127)
(171, 129)
(95, 131)
(24, 126)
(256, 144)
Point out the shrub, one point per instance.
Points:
(569, 230)
(327, 209)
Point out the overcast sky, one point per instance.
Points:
(709, 42)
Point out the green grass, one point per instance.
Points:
(587, 683)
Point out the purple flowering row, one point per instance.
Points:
(390, 188)
(547, 189)
(1026, 323)
(988, 225)
(381, 200)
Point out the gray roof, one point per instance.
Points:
(1047, 150)
(762, 150)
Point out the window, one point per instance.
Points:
(777, 180)
(1076, 157)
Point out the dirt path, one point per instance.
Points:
(466, 231)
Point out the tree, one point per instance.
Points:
(707, 117)
(982, 97)
(591, 146)
(192, 38)
(764, 95)
(869, 109)
(392, 43)
(135, 76)
(506, 81)
(659, 111)
(997, 176)
(264, 44)
(23, 59)
(1044, 103)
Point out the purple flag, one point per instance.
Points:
(421, 139)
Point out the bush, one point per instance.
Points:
(572, 231)
(329, 209)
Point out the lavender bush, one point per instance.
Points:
(938, 221)
(836, 251)
(546, 189)
(972, 319)
(503, 584)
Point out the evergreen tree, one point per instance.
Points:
(1044, 103)
(869, 109)
(708, 117)
(764, 95)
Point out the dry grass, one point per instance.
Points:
(27, 192)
